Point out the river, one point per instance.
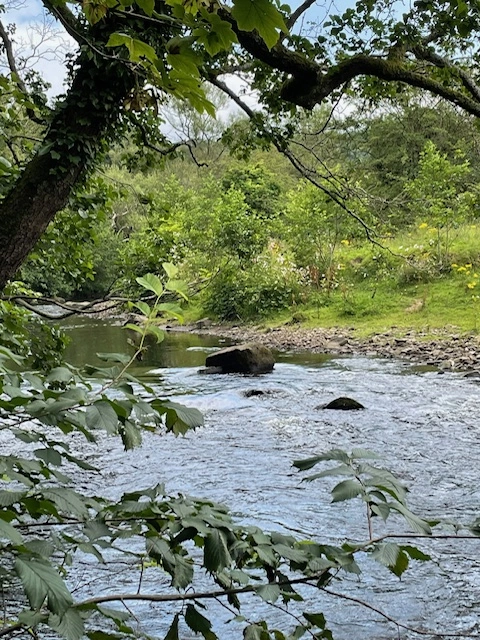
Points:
(424, 424)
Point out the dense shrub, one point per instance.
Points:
(271, 283)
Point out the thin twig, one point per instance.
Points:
(384, 615)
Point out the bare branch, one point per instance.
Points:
(299, 12)
(7, 45)
(309, 174)
(204, 595)
(171, 148)
(94, 306)
(420, 632)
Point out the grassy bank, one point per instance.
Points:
(424, 279)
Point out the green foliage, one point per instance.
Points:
(258, 186)
(67, 256)
(271, 283)
(57, 404)
(382, 495)
(40, 345)
(440, 194)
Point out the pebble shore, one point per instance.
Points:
(445, 350)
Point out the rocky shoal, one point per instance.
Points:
(440, 349)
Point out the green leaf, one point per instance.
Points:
(50, 456)
(218, 37)
(101, 415)
(182, 573)
(134, 327)
(197, 622)
(139, 51)
(69, 625)
(151, 282)
(118, 39)
(178, 418)
(170, 269)
(342, 470)
(416, 523)
(255, 632)
(41, 581)
(60, 374)
(143, 307)
(147, 6)
(113, 614)
(95, 529)
(386, 553)
(317, 619)
(121, 358)
(260, 15)
(381, 509)
(67, 500)
(31, 618)
(7, 498)
(334, 454)
(10, 533)
(346, 490)
(184, 64)
(295, 555)
(171, 309)
(216, 555)
(178, 286)
(268, 592)
(172, 633)
(159, 549)
(159, 335)
(266, 554)
(131, 435)
(415, 553)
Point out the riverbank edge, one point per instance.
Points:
(444, 350)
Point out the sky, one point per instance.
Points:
(39, 42)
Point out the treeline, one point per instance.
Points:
(393, 200)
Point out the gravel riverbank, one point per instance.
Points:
(442, 349)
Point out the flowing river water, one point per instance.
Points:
(424, 424)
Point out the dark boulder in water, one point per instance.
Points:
(342, 404)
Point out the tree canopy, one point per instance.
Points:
(132, 56)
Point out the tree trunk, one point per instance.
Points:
(75, 136)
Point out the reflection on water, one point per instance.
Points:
(92, 336)
(425, 425)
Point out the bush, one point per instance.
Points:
(271, 283)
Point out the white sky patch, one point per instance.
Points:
(39, 43)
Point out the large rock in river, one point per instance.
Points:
(243, 358)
